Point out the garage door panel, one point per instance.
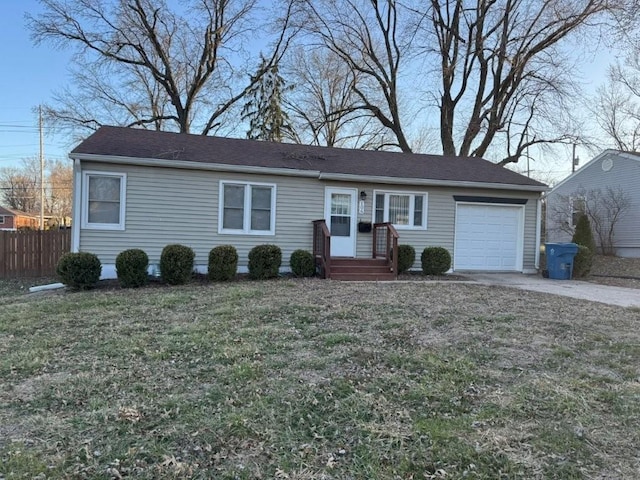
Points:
(488, 237)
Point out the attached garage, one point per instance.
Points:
(489, 236)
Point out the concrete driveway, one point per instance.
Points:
(624, 297)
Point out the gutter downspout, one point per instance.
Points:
(76, 211)
(538, 232)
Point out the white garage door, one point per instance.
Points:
(488, 237)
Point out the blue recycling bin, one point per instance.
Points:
(560, 259)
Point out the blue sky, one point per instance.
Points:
(31, 74)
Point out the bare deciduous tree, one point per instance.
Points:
(59, 192)
(495, 68)
(368, 37)
(604, 208)
(181, 69)
(20, 191)
(322, 103)
(617, 106)
(107, 95)
(20, 188)
(501, 69)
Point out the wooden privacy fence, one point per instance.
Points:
(32, 253)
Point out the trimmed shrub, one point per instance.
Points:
(264, 261)
(406, 257)
(583, 234)
(223, 263)
(582, 262)
(435, 260)
(302, 263)
(176, 264)
(80, 270)
(131, 267)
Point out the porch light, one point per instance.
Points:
(363, 195)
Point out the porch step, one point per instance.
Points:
(353, 262)
(373, 277)
(360, 269)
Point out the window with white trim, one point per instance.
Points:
(103, 200)
(247, 208)
(1, 219)
(405, 210)
(578, 207)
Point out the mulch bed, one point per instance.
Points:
(202, 279)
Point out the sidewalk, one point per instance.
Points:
(623, 297)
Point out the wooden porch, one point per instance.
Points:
(382, 265)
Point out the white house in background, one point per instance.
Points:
(611, 169)
(137, 188)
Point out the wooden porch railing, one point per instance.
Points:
(385, 244)
(322, 247)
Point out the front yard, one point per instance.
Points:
(318, 379)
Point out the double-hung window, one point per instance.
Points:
(405, 210)
(103, 200)
(247, 208)
(1, 219)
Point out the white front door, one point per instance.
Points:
(340, 214)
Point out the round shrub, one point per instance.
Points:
(176, 264)
(435, 260)
(302, 263)
(582, 262)
(79, 270)
(131, 267)
(406, 257)
(264, 261)
(223, 263)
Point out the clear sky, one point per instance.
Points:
(31, 74)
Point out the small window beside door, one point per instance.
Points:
(405, 210)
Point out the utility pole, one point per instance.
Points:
(528, 157)
(41, 169)
(574, 160)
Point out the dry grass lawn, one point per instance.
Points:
(315, 379)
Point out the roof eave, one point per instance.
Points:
(431, 182)
(345, 177)
(185, 164)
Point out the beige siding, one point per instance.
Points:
(166, 206)
(441, 218)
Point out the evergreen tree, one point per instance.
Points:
(267, 120)
(583, 234)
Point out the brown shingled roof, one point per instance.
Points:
(14, 213)
(148, 144)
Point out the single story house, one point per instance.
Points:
(606, 179)
(13, 220)
(145, 189)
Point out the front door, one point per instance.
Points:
(340, 214)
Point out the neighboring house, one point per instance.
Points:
(137, 188)
(15, 220)
(611, 172)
